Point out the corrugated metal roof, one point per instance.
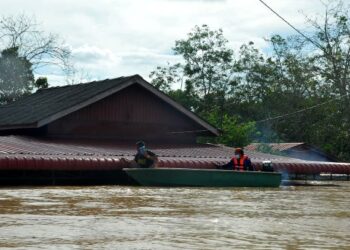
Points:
(275, 146)
(75, 163)
(26, 153)
(33, 146)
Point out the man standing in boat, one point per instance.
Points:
(144, 158)
(239, 162)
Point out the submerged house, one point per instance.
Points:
(80, 133)
(298, 150)
(123, 109)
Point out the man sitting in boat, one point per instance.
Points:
(239, 162)
(144, 158)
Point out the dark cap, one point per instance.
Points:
(239, 151)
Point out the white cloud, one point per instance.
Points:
(91, 54)
(110, 38)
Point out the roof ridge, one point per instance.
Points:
(284, 142)
(80, 84)
(255, 143)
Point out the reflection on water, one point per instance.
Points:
(116, 217)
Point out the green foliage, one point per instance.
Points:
(267, 149)
(298, 75)
(205, 72)
(234, 133)
(185, 98)
(164, 77)
(208, 60)
(298, 92)
(16, 76)
(41, 83)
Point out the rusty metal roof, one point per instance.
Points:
(275, 146)
(21, 145)
(28, 153)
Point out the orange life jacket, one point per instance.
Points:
(239, 165)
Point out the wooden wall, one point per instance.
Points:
(131, 114)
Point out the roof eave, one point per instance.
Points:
(19, 126)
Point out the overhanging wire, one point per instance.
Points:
(301, 110)
(289, 24)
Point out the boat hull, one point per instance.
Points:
(177, 177)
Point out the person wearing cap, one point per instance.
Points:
(239, 162)
(144, 158)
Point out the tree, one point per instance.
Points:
(164, 77)
(208, 60)
(235, 133)
(331, 48)
(16, 76)
(305, 77)
(206, 75)
(324, 59)
(37, 46)
(205, 72)
(41, 83)
(298, 91)
(187, 97)
(25, 49)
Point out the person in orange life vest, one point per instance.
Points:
(239, 162)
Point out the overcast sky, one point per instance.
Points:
(112, 38)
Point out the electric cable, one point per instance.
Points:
(292, 26)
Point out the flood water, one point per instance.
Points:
(120, 217)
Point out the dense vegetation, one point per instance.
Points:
(298, 91)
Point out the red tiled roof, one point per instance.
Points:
(28, 153)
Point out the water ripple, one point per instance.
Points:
(116, 217)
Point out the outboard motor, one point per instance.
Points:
(267, 166)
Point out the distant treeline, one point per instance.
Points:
(299, 91)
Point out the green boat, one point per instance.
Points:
(177, 177)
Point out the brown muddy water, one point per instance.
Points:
(120, 217)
